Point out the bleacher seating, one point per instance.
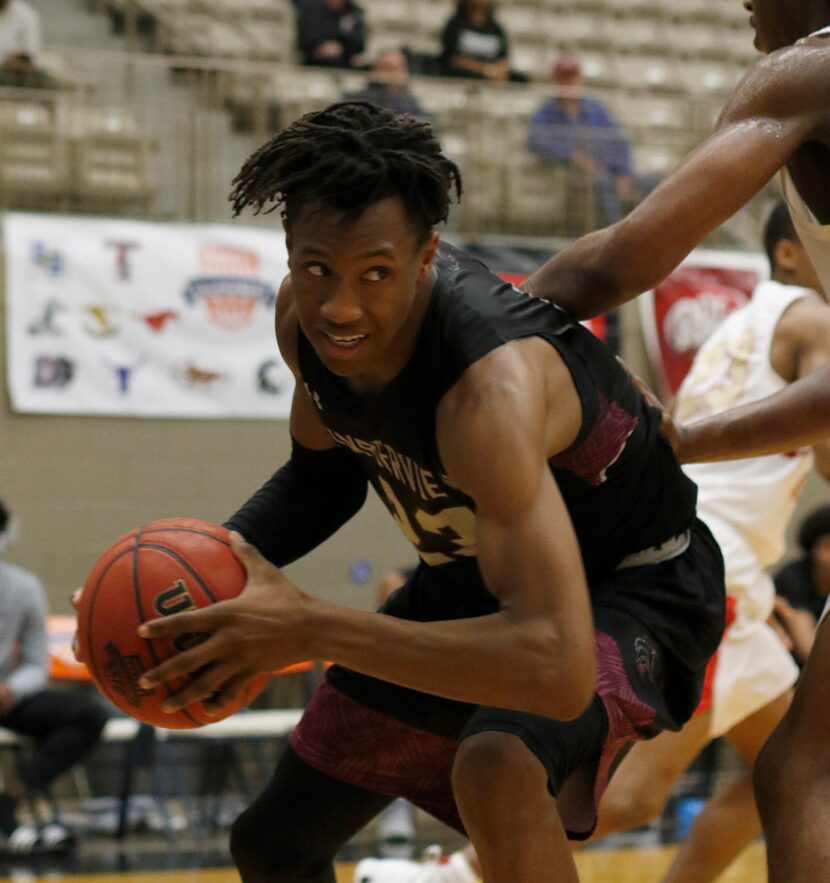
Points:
(663, 69)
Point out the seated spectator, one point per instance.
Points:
(474, 44)
(20, 44)
(64, 725)
(388, 85)
(573, 128)
(803, 586)
(331, 33)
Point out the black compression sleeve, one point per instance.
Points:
(302, 504)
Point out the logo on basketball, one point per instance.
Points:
(173, 600)
(122, 673)
(230, 288)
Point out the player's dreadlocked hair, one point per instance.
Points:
(349, 157)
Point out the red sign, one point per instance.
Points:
(688, 305)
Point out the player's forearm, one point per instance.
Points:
(798, 416)
(490, 660)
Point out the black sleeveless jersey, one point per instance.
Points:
(622, 485)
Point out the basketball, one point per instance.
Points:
(162, 568)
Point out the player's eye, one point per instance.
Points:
(376, 274)
(317, 269)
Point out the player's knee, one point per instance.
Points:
(632, 809)
(494, 772)
(263, 855)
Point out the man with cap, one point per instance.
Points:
(573, 128)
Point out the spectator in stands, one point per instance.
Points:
(388, 85)
(803, 586)
(64, 726)
(331, 33)
(573, 128)
(474, 44)
(20, 44)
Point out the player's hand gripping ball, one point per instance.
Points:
(162, 568)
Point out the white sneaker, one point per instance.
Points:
(24, 840)
(435, 869)
(56, 838)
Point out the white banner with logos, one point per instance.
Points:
(129, 318)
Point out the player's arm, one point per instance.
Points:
(798, 416)
(320, 487)
(535, 654)
(779, 105)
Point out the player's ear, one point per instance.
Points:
(427, 255)
(785, 257)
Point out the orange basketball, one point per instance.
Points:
(164, 567)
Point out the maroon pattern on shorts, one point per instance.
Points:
(355, 744)
(628, 715)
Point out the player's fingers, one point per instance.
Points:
(76, 648)
(203, 620)
(181, 664)
(76, 597)
(229, 691)
(202, 687)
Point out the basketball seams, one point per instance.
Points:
(137, 546)
(90, 609)
(178, 549)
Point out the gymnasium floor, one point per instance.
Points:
(631, 865)
(151, 857)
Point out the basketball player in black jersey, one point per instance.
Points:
(567, 600)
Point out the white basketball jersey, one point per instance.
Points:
(814, 236)
(756, 496)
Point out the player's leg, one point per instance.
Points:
(65, 726)
(729, 822)
(506, 770)
(292, 831)
(643, 782)
(792, 777)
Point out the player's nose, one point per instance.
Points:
(341, 307)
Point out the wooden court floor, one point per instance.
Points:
(596, 866)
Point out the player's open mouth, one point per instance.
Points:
(345, 340)
(343, 346)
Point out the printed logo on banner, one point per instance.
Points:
(124, 374)
(157, 321)
(230, 288)
(122, 252)
(192, 376)
(269, 379)
(685, 308)
(53, 372)
(50, 261)
(99, 322)
(45, 324)
(689, 321)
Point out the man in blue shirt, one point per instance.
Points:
(572, 128)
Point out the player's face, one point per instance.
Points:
(361, 288)
(779, 23)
